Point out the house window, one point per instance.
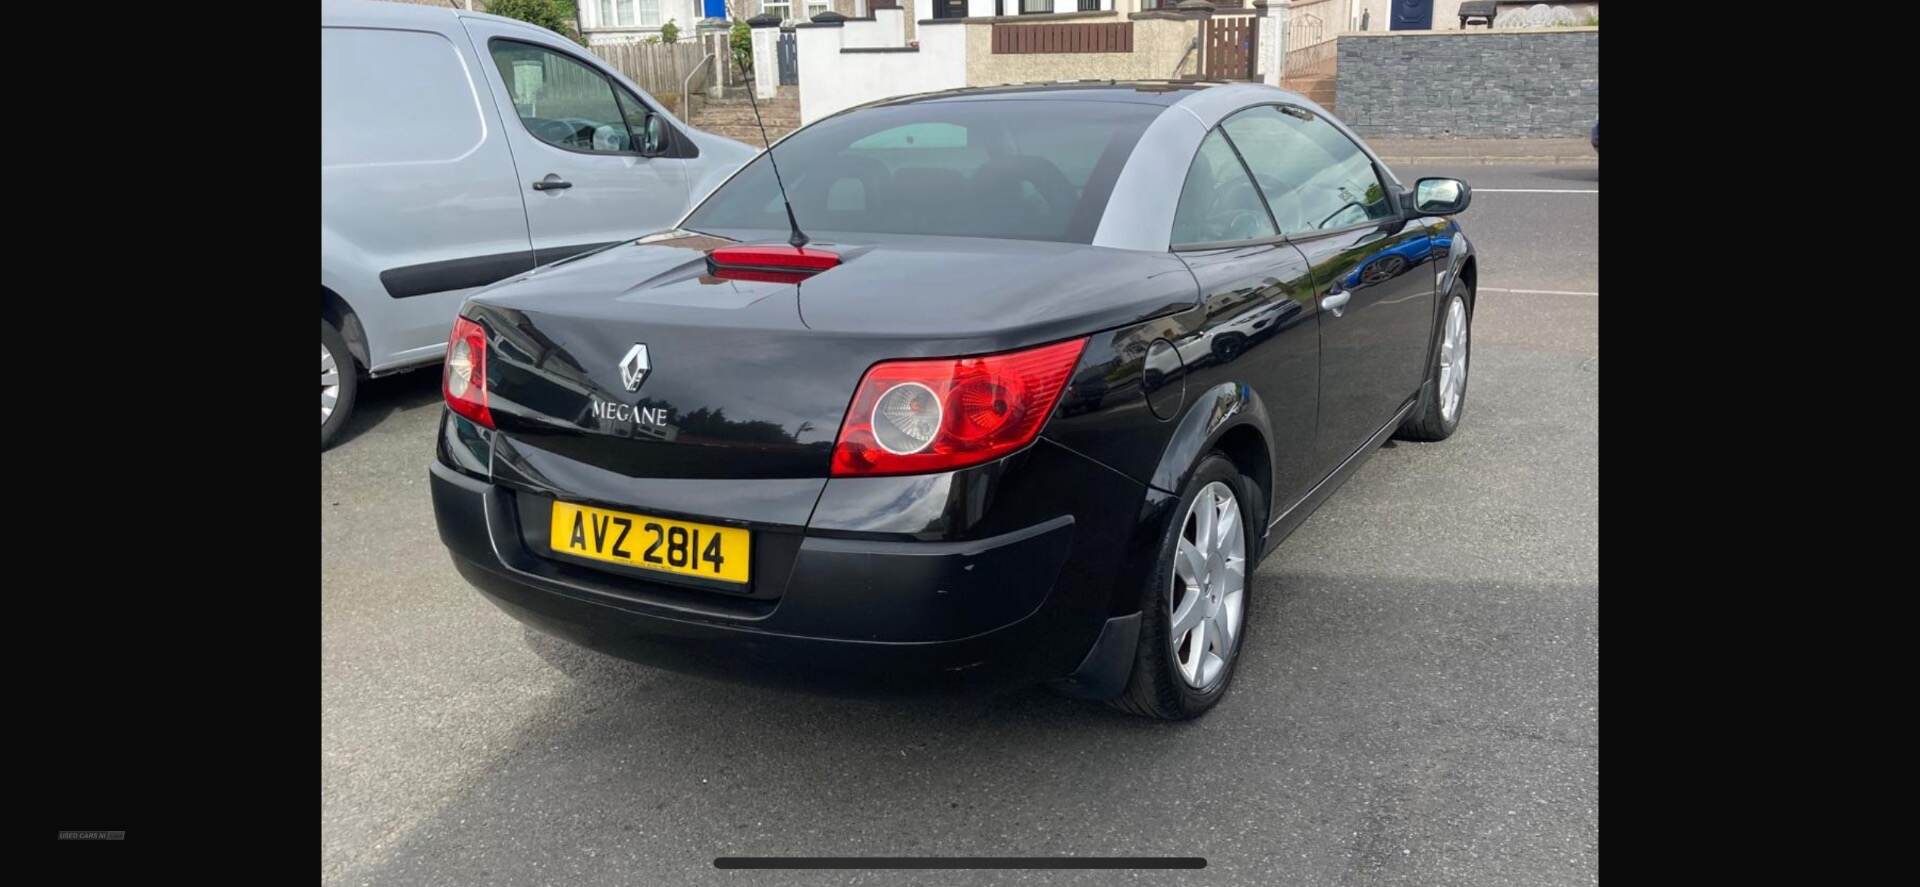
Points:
(815, 8)
(1090, 5)
(783, 9)
(629, 13)
(624, 12)
(1029, 7)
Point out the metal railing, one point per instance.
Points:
(1312, 28)
(686, 97)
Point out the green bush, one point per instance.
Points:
(670, 32)
(741, 40)
(553, 15)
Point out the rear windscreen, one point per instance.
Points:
(1026, 170)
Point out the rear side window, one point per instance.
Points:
(1018, 169)
(1218, 203)
(364, 119)
(561, 100)
(1314, 178)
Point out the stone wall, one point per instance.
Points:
(1472, 83)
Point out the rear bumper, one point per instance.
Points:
(846, 613)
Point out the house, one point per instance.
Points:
(1444, 15)
(633, 21)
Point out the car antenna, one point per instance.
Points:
(798, 239)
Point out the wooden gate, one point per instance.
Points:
(1229, 44)
(788, 51)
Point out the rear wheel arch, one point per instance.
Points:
(1249, 451)
(336, 311)
(1229, 418)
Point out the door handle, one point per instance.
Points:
(552, 183)
(1336, 301)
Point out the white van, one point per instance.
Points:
(458, 148)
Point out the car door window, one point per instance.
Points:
(1313, 176)
(1218, 203)
(562, 101)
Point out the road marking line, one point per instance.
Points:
(1536, 190)
(1491, 289)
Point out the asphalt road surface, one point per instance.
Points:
(1418, 704)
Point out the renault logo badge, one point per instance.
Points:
(634, 367)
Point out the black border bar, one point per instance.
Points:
(959, 862)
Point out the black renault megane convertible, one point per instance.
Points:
(980, 387)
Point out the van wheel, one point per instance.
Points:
(339, 382)
(1194, 607)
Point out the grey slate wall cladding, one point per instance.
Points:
(1541, 85)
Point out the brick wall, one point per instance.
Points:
(1474, 83)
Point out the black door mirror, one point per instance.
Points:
(1440, 196)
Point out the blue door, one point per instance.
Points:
(1412, 15)
(715, 9)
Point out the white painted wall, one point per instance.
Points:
(832, 80)
(1272, 54)
(888, 28)
(766, 62)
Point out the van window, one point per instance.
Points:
(364, 119)
(562, 101)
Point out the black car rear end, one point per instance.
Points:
(988, 574)
(715, 452)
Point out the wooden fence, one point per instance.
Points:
(661, 68)
(1095, 37)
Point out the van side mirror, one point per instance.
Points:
(653, 136)
(1441, 196)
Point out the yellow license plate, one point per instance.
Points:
(680, 547)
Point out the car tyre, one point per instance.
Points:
(1229, 346)
(339, 382)
(1443, 399)
(1161, 685)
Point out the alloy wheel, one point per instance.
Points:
(1207, 595)
(1453, 360)
(329, 383)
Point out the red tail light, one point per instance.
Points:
(919, 416)
(777, 264)
(464, 381)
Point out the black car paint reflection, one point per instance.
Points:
(1028, 566)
